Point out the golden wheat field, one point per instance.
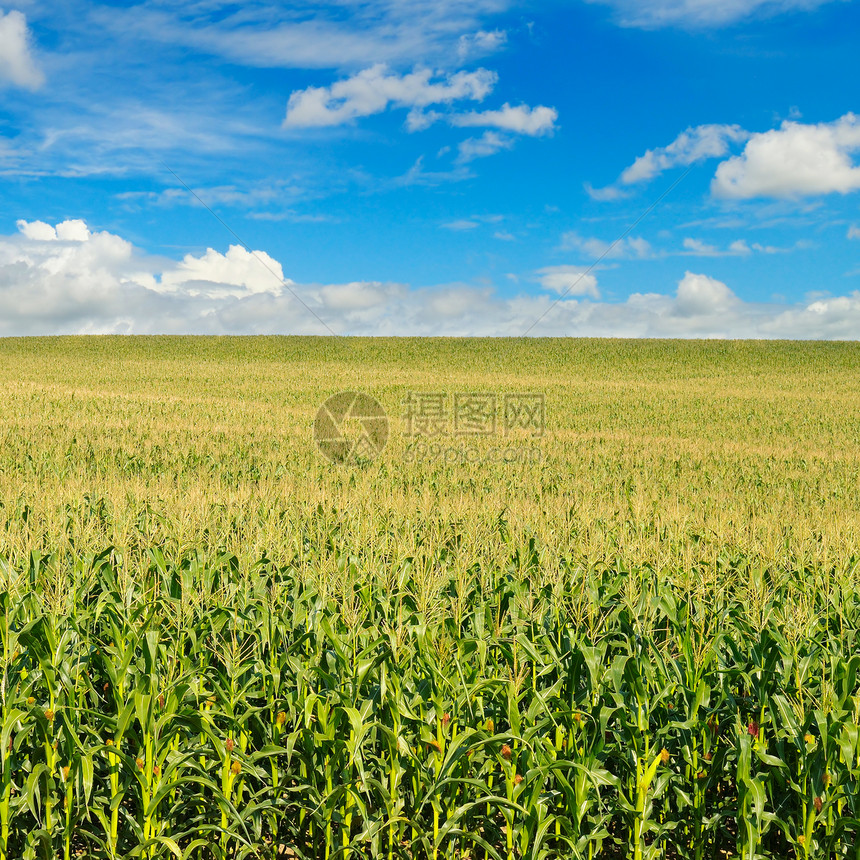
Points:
(627, 629)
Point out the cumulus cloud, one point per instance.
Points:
(237, 273)
(702, 306)
(17, 65)
(360, 296)
(373, 90)
(65, 278)
(377, 89)
(651, 14)
(693, 145)
(791, 161)
(836, 318)
(794, 160)
(522, 119)
(74, 230)
(68, 275)
(38, 230)
(569, 280)
(50, 276)
(700, 295)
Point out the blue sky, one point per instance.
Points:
(418, 167)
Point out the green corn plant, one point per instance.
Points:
(639, 690)
(752, 792)
(57, 657)
(13, 709)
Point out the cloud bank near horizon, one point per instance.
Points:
(68, 279)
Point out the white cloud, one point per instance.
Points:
(66, 133)
(535, 122)
(129, 131)
(52, 277)
(321, 34)
(650, 14)
(738, 248)
(836, 318)
(359, 295)
(609, 193)
(75, 230)
(633, 247)
(569, 281)
(700, 295)
(460, 225)
(482, 42)
(237, 273)
(794, 160)
(262, 201)
(373, 90)
(480, 147)
(418, 120)
(699, 248)
(96, 282)
(854, 232)
(472, 222)
(37, 230)
(417, 175)
(17, 65)
(637, 248)
(693, 145)
(522, 119)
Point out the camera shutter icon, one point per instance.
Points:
(351, 426)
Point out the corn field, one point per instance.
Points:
(215, 644)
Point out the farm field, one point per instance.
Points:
(630, 630)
